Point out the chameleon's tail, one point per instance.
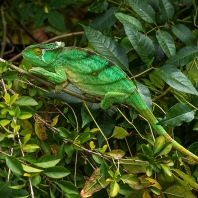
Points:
(140, 105)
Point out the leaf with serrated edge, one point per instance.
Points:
(166, 9)
(184, 34)
(143, 8)
(124, 18)
(176, 79)
(141, 43)
(107, 47)
(166, 42)
(98, 6)
(177, 114)
(183, 56)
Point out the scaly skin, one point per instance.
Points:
(93, 74)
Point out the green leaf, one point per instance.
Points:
(134, 165)
(107, 47)
(166, 9)
(132, 181)
(183, 56)
(145, 94)
(47, 161)
(143, 8)
(36, 180)
(7, 98)
(166, 149)
(124, 18)
(156, 81)
(69, 149)
(25, 101)
(94, 109)
(30, 169)
(39, 17)
(56, 172)
(56, 19)
(149, 171)
(166, 169)
(98, 6)
(68, 187)
(184, 34)
(166, 42)
(84, 137)
(158, 144)
(4, 122)
(5, 190)
(97, 159)
(177, 114)
(63, 132)
(60, 3)
(105, 20)
(13, 98)
(147, 150)
(178, 191)
(9, 75)
(114, 188)
(25, 115)
(26, 11)
(119, 133)
(188, 179)
(155, 190)
(176, 79)
(14, 165)
(141, 43)
(194, 148)
(116, 153)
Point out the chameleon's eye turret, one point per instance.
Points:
(37, 51)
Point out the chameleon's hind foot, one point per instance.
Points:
(60, 87)
(111, 98)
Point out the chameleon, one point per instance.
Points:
(93, 74)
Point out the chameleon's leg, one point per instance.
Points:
(60, 87)
(111, 98)
(57, 77)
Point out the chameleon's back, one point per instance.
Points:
(93, 73)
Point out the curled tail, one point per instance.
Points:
(139, 105)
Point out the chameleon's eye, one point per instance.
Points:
(37, 51)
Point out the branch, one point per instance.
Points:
(48, 84)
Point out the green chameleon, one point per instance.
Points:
(93, 74)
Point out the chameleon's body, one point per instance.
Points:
(93, 74)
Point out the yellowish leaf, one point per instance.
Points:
(116, 154)
(154, 183)
(92, 145)
(26, 175)
(40, 130)
(55, 120)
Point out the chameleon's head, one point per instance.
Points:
(42, 55)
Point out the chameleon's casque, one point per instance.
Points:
(93, 74)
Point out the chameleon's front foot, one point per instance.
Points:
(37, 71)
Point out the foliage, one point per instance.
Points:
(57, 145)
